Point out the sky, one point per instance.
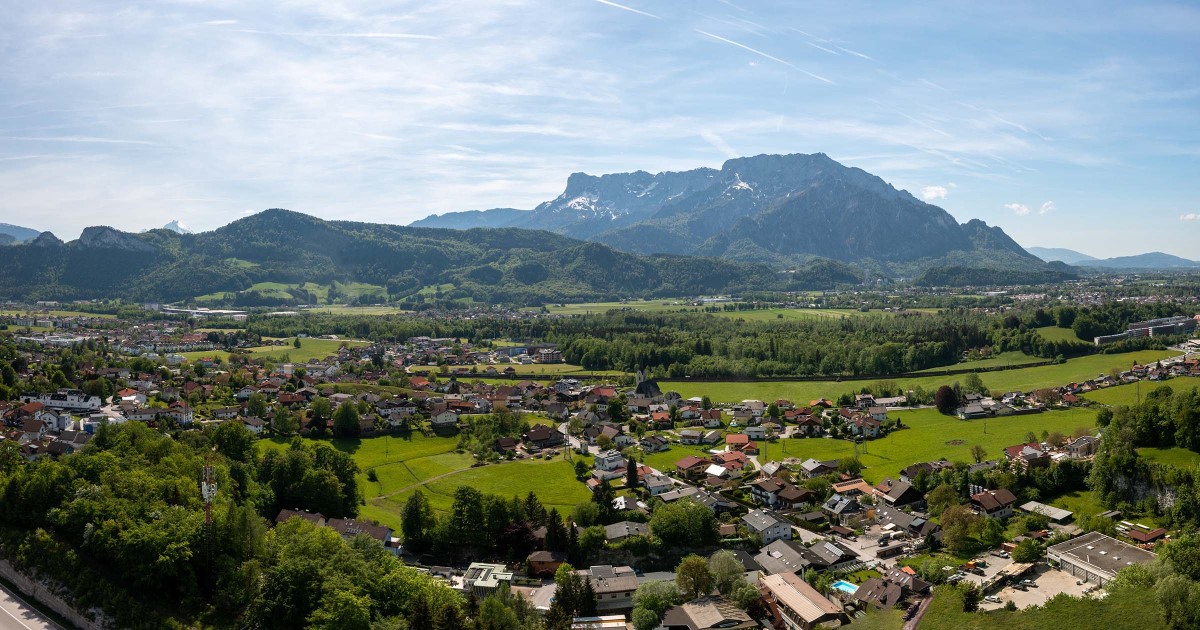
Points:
(1068, 124)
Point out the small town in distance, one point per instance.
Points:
(487, 464)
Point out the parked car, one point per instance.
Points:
(992, 598)
(1029, 583)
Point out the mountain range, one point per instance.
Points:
(252, 258)
(781, 210)
(10, 234)
(1152, 260)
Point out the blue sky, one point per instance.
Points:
(1073, 125)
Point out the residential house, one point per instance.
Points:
(909, 473)
(609, 460)
(543, 436)
(654, 444)
(614, 587)
(795, 605)
(691, 466)
(810, 468)
(617, 532)
(707, 613)
(544, 563)
(843, 510)
(483, 579)
(657, 484)
(690, 436)
(768, 524)
(1028, 455)
(1083, 447)
(994, 503)
(253, 424)
(897, 493)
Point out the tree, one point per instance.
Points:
(256, 406)
(693, 577)
(466, 517)
(1184, 556)
(974, 385)
(993, 532)
(319, 410)
(945, 399)
(284, 422)
(959, 524)
(978, 453)
(773, 411)
(345, 420)
(684, 520)
(418, 522)
(971, 595)
(657, 596)
(941, 498)
(296, 343)
(234, 440)
(581, 469)
(726, 570)
(631, 473)
(644, 619)
(1028, 550)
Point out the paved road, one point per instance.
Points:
(15, 614)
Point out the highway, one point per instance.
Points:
(15, 614)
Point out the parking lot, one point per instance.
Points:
(1047, 583)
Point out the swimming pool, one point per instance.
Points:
(845, 587)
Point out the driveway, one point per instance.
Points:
(1049, 582)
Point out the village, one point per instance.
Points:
(819, 542)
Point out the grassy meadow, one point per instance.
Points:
(931, 436)
(1128, 394)
(1024, 379)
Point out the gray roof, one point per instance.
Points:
(762, 520)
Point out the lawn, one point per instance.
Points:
(1124, 609)
(664, 461)
(931, 436)
(1128, 394)
(1176, 456)
(1054, 333)
(1024, 379)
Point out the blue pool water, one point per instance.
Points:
(845, 587)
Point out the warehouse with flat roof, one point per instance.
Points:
(1096, 558)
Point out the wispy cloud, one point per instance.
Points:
(719, 143)
(339, 35)
(1019, 209)
(83, 139)
(764, 55)
(1047, 207)
(1191, 216)
(820, 47)
(630, 9)
(855, 53)
(929, 193)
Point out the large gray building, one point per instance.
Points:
(1096, 558)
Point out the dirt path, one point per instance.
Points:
(418, 484)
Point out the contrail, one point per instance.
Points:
(765, 55)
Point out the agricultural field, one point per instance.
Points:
(1004, 359)
(405, 464)
(1128, 394)
(930, 436)
(1024, 379)
(310, 348)
(547, 370)
(56, 313)
(652, 306)
(1175, 456)
(279, 290)
(1054, 333)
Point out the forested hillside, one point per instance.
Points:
(279, 246)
